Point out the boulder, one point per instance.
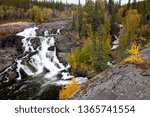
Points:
(36, 43)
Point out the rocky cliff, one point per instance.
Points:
(121, 81)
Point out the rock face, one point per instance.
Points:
(11, 41)
(121, 81)
(10, 44)
(66, 44)
(10, 47)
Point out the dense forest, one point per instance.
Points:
(99, 23)
(37, 11)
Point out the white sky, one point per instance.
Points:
(83, 1)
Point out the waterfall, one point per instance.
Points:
(44, 61)
(115, 43)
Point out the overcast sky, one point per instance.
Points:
(83, 1)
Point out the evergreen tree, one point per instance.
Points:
(74, 22)
(129, 4)
(112, 14)
(134, 4)
(89, 9)
(80, 18)
(100, 56)
(98, 17)
(128, 33)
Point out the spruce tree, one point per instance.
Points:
(129, 4)
(134, 4)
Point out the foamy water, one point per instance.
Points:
(44, 59)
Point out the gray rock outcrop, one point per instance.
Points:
(120, 82)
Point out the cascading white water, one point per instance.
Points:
(44, 58)
(115, 43)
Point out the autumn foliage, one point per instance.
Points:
(69, 90)
(128, 34)
(135, 57)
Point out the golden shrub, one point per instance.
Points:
(69, 90)
(134, 49)
(135, 57)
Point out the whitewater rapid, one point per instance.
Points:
(45, 61)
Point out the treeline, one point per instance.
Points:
(92, 22)
(33, 9)
(98, 23)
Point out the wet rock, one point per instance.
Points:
(52, 48)
(12, 75)
(40, 31)
(1, 78)
(32, 68)
(54, 31)
(6, 79)
(23, 74)
(31, 54)
(35, 43)
(59, 76)
(46, 70)
(22, 87)
(49, 92)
